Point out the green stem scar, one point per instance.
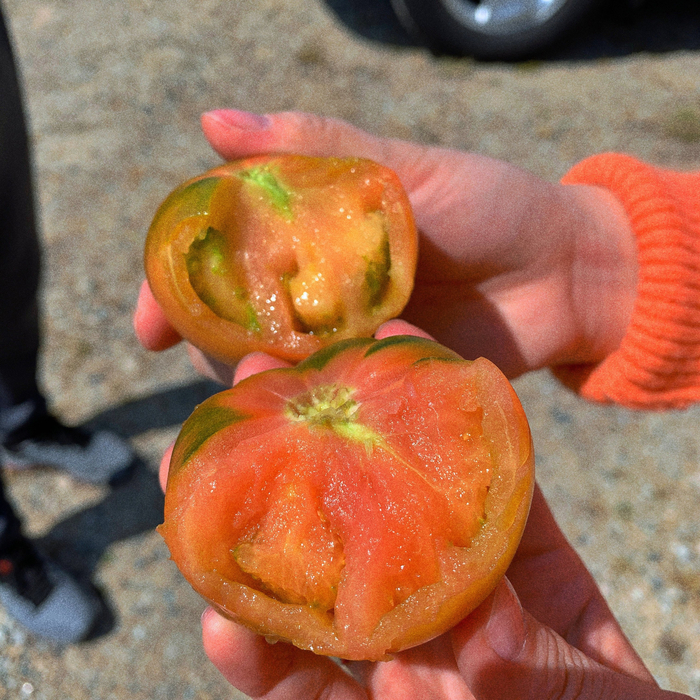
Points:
(279, 197)
(332, 407)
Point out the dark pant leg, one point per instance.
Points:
(10, 527)
(19, 245)
(19, 259)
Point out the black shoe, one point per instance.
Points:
(101, 457)
(43, 597)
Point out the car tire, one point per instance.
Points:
(484, 29)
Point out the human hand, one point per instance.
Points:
(502, 650)
(522, 271)
(552, 282)
(545, 632)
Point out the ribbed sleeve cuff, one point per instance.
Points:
(657, 365)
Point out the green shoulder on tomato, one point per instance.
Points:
(282, 254)
(358, 504)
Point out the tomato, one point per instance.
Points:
(358, 504)
(282, 254)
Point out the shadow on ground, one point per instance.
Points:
(617, 29)
(164, 409)
(131, 508)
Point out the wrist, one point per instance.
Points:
(604, 272)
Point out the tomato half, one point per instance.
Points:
(282, 254)
(358, 504)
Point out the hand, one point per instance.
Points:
(502, 650)
(545, 632)
(524, 272)
(527, 273)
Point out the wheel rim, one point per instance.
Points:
(503, 16)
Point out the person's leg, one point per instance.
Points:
(18, 568)
(33, 590)
(10, 526)
(37, 592)
(29, 434)
(19, 247)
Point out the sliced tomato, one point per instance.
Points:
(358, 504)
(282, 254)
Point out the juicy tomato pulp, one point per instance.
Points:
(282, 254)
(358, 504)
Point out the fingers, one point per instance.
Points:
(438, 180)
(398, 326)
(273, 672)
(556, 588)
(257, 362)
(209, 367)
(281, 671)
(503, 652)
(425, 672)
(152, 328)
(165, 467)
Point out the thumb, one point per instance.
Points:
(435, 178)
(503, 652)
(452, 192)
(236, 134)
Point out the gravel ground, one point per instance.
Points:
(114, 92)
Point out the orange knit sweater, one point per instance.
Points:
(657, 365)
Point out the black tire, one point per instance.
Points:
(449, 26)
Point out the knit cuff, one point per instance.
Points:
(657, 365)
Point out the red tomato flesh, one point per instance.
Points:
(358, 504)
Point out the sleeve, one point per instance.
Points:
(657, 365)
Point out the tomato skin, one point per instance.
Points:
(282, 254)
(353, 523)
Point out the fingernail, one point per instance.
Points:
(248, 121)
(208, 612)
(505, 629)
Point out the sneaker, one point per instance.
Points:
(42, 597)
(101, 457)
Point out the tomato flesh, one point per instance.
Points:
(282, 254)
(358, 504)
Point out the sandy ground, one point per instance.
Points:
(114, 92)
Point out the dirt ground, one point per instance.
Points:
(114, 93)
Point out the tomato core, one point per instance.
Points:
(328, 405)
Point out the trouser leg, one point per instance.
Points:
(10, 527)
(19, 246)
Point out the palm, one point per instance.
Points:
(556, 588)
(484, 279)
